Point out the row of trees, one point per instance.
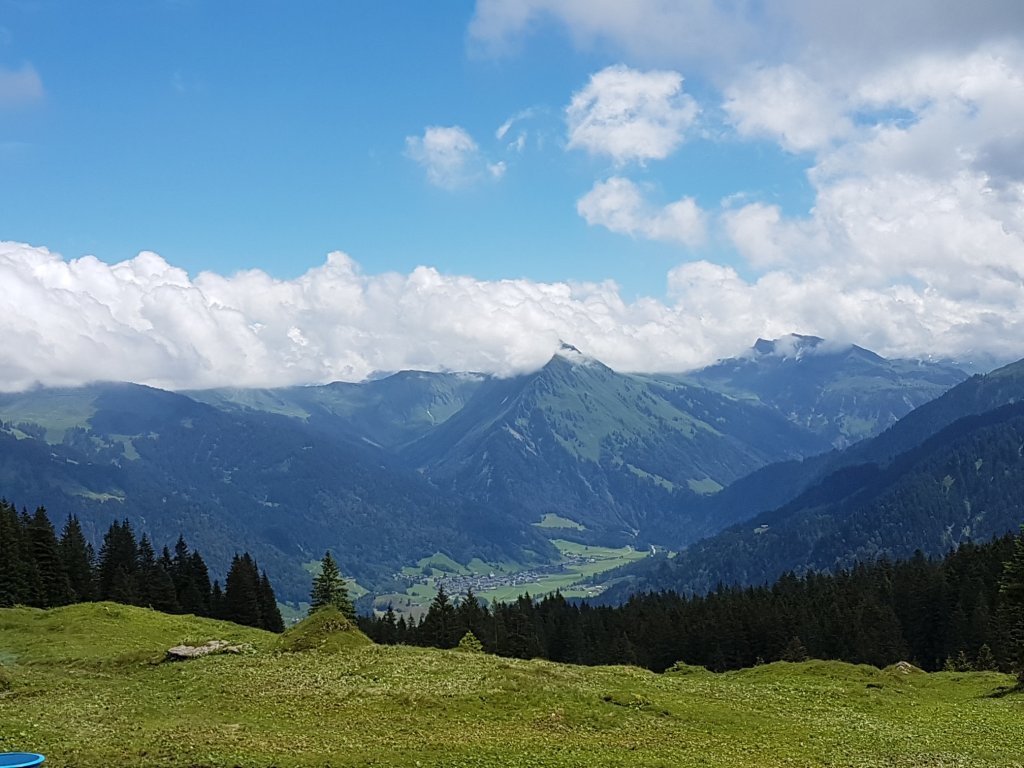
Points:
(44, 570)
(963, 611)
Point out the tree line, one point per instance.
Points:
(963, 611)
(44, 570)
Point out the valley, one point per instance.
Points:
(497, 475)
(576, 574)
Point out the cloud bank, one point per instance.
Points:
(66, 322)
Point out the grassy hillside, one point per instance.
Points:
(82, 685)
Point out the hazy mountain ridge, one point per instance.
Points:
(843, 392)
(393, 469)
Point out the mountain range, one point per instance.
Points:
(394, 469)
(950, 471)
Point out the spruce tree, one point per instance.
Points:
(439, 627)
(470, 643)
(241, 592)
(118, 563)
(1012, 590)
(13, 556)
(329, 589)
(53, 578)
(269, 612)
(77, 556)
(199, 577)
(156, 589)
(216, 601)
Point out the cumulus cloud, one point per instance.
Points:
(642, 28)
(618, 205)
(65, 322)
(719, 37)
(784, 104)
(630, 115)
(20, 87)
(450, 156)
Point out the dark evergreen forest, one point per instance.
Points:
(44, 570)
(958, 612)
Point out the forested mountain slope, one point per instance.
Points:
(965, 482)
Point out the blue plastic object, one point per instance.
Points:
(20, 759)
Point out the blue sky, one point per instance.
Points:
(674, 179)
(234, 135)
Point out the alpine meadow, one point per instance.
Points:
(512, 383)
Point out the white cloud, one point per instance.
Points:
(720, 36)
(618, 205)
(20, 87)
(783, 103)
(450, 157)
(630, 115)
(648, 29)
(65, 322)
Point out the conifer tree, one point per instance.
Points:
(46, 554)
(13, 556)
(269, 612)
(1012, 589)
(216, 601)
(470, 643)
(199, 580)
(118, 563)
(440, 628)
(986, 660)
(241, 592)
(155, 587)
(77, 556)
(32, 592)
(329, 589)
(193, 595)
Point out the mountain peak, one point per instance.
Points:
(573, 355)
(792, 345)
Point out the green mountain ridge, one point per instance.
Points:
(395, 469)
(955, 480)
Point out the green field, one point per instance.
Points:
(84, 685)
(582, 562)
(595, 560)
(551, 520)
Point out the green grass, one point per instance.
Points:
(326, 631)
(85, 691)
(57, 412)
(551, 520)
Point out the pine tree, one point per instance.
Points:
(200, 585)
(794, 650)
(329, 589)
(1012, 590)
(269, 612)
(13, 555)
(53, 578)
(216, 601)
(155, 587)
(986, 660)
(439, 627)
(77, 556)
(118, 563)
(193, 594)
(470, 644)
(241, 593)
